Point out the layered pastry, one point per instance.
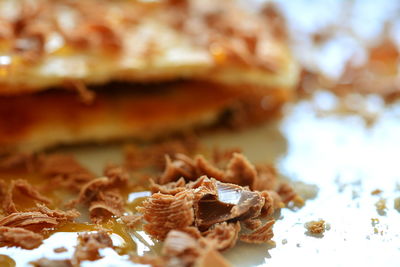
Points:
(78, 71)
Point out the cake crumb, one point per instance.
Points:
(315, 227)
(376, 230)
(376, 192)
(284, 241)
(374, 221)
(381, 206)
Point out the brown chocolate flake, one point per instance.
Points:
(42, 217)
(176, 169)
(272, 203)
(376, 192)
(164, 213)
(28, 220)
(27, 190)
(107, 204)
(64, 170)
(229, 202)
(103, 195)
(59, 215)
(223, 236)
(23, 161)
(287, 194)
(203, 167)
(89, 245)
(252, 224)
(11, 236)
(260, 235)
(131, 221)
(267, 178)
(154, 155)
(211, 257)
(181, 247)
(315, 227)
(60, 250)
(43, 262)
(154, 261)
(220, 156)
(240, 171)
(171, 188)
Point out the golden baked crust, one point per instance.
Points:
(47, 43)
(119, 111)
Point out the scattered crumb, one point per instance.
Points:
(397, 203)
(374, 221)
(298, 245)
(381, 206)
(368, 237)
(284, 241)
(376, 192)
(60, 250)
(315, 227)
(376, 230)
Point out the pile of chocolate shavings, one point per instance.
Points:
(197, 207)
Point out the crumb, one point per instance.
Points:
(397, 203)
(298, 245)
(60, 250)
(376, 192)
(315, 227)
(376, 230)
(374, 221)
(381, 206)
(284, 241)
(368, 237)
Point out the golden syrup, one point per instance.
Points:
(6, 261)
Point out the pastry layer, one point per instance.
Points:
(47, 43)
(119, 111)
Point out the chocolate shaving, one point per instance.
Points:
(154, 155)
(287, 193)
(64, 170)
(39, 219)
(131, 221)
(171, 188)
(203, 167)
(26, 189)
(272, 203)
(223, 236)
(89, 245)
(107, 204)
(177, 169)
(11, 236)
(103, 195)
(240, 171)
(181, 247)
(252, 224)
(29, 220)
(164, 213)
(60, 250)
(231, 202)
(260, 235)
(43, 262)
(267, 178)
(23, 161)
